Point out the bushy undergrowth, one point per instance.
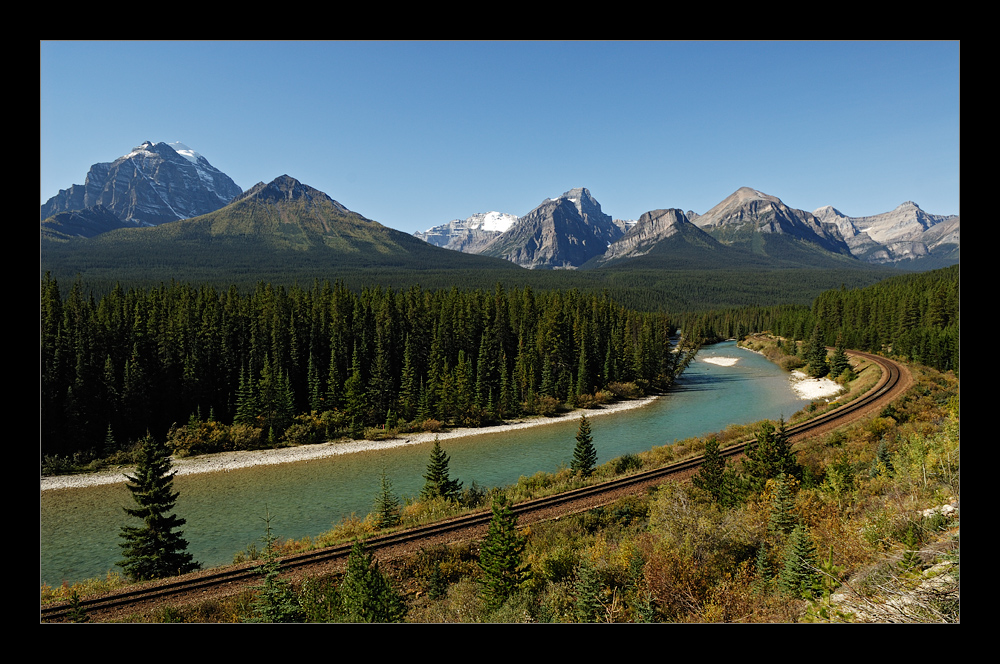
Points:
(676, 555)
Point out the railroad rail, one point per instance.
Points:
(231, 580)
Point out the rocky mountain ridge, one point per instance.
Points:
(653, 228)
(747, 210)
(469, 235)
(748, 219)
(905, 233)
(273, 230)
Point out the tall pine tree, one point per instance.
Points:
(386, 504)
(438, 483)
(275, 601)
(711, 475)
(155, 549)
(366, 593)
(584, 454)
(769, 456)
(799, 577)
(500, 557)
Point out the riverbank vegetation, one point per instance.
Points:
(862, 527)
(211, 370)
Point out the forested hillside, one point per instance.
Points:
(914, 316)
(236, 369)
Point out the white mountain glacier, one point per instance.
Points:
(469, 235)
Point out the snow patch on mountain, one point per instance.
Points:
(185, 152)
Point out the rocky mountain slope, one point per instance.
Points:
(741, 216)
(652, 229)
(159, 183)
(151, 185)
(904, 234)
(87, 222)
(570, 231)
(563, 232)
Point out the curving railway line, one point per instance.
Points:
(219, 583)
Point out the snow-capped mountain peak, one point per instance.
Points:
(469, 235)
(492, 221)
(153, 184)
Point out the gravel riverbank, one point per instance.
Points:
(226, 461)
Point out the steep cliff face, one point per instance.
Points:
(151, 185)
(653, 227)
(905, 233)
(561, 233)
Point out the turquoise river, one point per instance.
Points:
(224, 510)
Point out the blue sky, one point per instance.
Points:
(414, 134)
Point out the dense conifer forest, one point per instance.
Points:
(912, 316)
(225, 369)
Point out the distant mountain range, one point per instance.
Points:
(275, 231)
(165, 205)
(904, 234)
(572, 232)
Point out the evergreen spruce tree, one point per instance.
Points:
(155, 549)
(882, 461)
(410, 388)
(366, 593)
(110, 445)
(275, 601)
(438, 483)
(781, 520)
(584, 454)
(588, 590)
(712, 472)
(798, 577)
(355, 396)
(500, 557)
(77, 613)
(764, 574)
(769, 456)
(839, 363)
(386, 504)
(247, 407)
(437, 586)
(815, 355)
(315, 387)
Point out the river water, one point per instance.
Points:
(79, 528)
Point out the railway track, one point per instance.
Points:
(231, 580)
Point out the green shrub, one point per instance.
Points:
(626, 463)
